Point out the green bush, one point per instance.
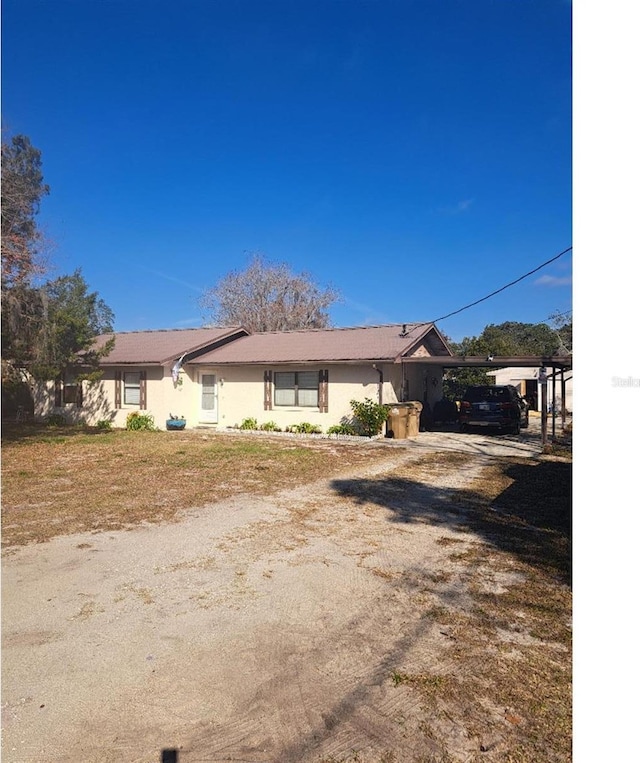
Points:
(369, 415)
(304, 428)
(141, 421)
(249, 423)
(270, 426)
(104, 425)
(56, 420)
(342, 429)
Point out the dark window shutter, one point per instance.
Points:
(58, 389)
(143, 390)
(268, 401)
(323, 391)
(79, 394)
(118, 395)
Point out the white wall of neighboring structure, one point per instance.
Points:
(519, 377)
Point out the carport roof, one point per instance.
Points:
(500, 361)
(389, 343)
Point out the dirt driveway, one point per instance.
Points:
(256, 629)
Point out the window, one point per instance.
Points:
(72, 392)
(296, 388)
(68, 391)
(131, 388)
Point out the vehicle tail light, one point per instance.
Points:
(465, 405)
(505, 406)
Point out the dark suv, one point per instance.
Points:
(496, 406)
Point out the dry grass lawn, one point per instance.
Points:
(62, 481)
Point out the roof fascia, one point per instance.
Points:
(292, 362)
(496, 361)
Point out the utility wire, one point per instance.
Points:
(497, 291)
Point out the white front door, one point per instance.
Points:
(208, 399)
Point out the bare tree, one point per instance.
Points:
(268, 297)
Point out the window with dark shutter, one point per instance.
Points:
(296, 388)
(132, 391)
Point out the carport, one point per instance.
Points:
(559, 365)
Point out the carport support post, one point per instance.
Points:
(542, 378)
(553, 402)
(563, 392)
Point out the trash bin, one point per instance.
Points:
(413, 419)
(403, 420)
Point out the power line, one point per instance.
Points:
(497, 291)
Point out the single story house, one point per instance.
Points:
(217, 377)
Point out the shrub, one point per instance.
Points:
(249, 423)
(304, 428)
(342, 429)
(369, 415)
(56, 420)
(270, 426)
(141, 421)
(104, 425)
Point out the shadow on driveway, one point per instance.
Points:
(530, 519)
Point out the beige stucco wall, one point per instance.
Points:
(423, 379)
(240, 394)
(163, 398)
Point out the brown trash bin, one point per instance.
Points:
(413, 419)
(403, 420)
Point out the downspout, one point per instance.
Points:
(380, 383)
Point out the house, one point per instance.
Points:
(527, 381)
(217, 377)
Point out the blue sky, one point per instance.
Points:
(414, 155)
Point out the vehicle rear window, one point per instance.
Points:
(478, 394)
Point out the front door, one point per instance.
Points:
(208, 399)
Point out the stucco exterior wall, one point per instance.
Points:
(423, 380)
(240, 395)
(99, 399)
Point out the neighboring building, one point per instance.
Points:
(218, 377)
(527, 382)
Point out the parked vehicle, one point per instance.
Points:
(498, 406)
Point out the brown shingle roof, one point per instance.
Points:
(159, 347)
(365, 343)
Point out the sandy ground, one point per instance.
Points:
(253, 630)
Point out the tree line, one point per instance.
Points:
(49, 326)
